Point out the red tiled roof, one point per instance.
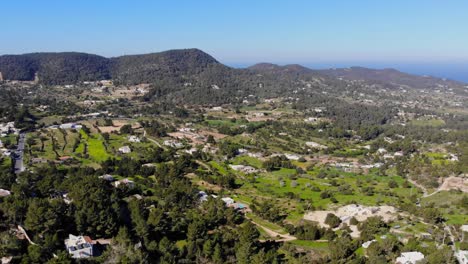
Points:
(88, 239)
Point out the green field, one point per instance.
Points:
(296, 193)
(254, 162)
(449, 203)
(310, 244)
(219, 168)
(435, 122)
(96, 148)
(90, 149)
(267, 224)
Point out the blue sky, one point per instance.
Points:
(239, 32)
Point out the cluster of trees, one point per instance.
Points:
(236, 130)
(168, 225)
(227, 181)
(310, 231)
(268, 210)
(278, 162)
(155, 128)
(371, 227)
(228, 149)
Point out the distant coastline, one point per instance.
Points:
(452, 71)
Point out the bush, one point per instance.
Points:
(353, 221)
(463, 245)
(325, 195)
(332, 220)
(392, 184)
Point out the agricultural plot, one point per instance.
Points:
(56, 145)
(428, 122)
(297, 193)
(251, 161)
(309, 187)
(5, 163)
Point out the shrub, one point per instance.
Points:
(325, 195)
(332, 220)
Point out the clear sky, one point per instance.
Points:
(244, 31)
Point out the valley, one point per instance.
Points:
(181, 155)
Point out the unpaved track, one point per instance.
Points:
(450, 183)
(274, 234)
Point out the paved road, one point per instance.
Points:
(19, 153)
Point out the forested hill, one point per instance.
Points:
(55, 68)
(274, 68)
(189, 67)
(172, 64)
(72, 67)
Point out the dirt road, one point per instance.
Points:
(275, 235)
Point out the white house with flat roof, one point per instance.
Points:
(79, 246)
(4, 193)
(134, 139)
(462, 256)
(464, 228)
(125, 182)
(228, 200)
(412, 257)
(70, 126)
(125, 150)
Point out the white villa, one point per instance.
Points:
(312, 144)
(368, 243)
(7, 128)
(125, 149)
(243, 168)
(125, 182)
(107, 177)
(70, 126)
(292, 156)
(79, 246)
(4, 193)
(134, 139)
(228, 200)
(462, 256)
(410, 257)
(173, 144)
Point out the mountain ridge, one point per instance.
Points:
(181, 65)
